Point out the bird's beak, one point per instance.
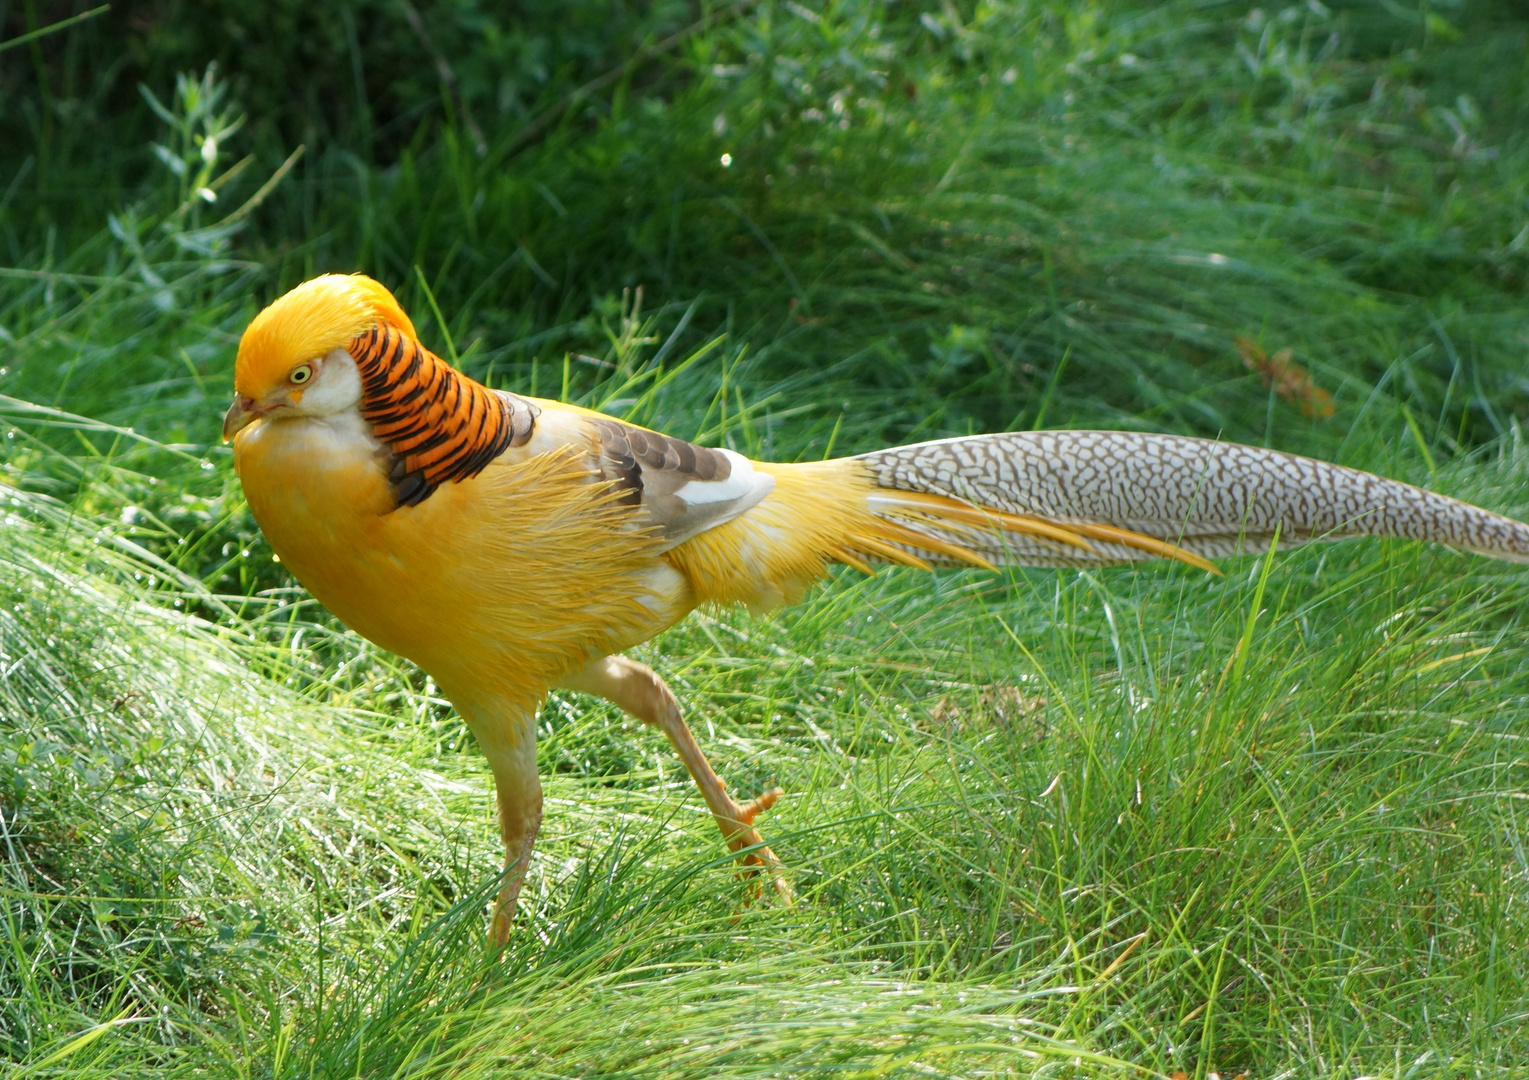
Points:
(241, 414)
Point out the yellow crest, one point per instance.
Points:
(326, 313)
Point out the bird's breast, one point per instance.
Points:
(500, 582)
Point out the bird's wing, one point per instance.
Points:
(680, 489)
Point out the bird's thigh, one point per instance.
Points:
(634, 688)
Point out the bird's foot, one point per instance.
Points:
(737, 824)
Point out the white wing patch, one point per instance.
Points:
(709, 503)
(741, 483)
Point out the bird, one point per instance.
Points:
(509, 545)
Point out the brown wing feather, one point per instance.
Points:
(682, 489)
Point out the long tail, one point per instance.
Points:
(1081, 498)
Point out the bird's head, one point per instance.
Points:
(293, 359)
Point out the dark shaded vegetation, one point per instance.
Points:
(939, 251)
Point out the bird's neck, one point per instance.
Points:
(439, 424)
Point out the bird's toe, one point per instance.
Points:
(737, 826)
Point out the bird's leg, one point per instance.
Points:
(637, 690)
(518, 791)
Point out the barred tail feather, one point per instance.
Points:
(1086, 498)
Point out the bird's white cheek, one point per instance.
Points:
(337, 388)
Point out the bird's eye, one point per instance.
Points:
(300, 374)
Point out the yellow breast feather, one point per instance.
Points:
(502, 583)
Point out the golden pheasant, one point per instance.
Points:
(508, 544)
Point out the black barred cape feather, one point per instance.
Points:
(440, 425)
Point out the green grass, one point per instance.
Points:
(1124, 822)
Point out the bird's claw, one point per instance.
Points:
(737, 825)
